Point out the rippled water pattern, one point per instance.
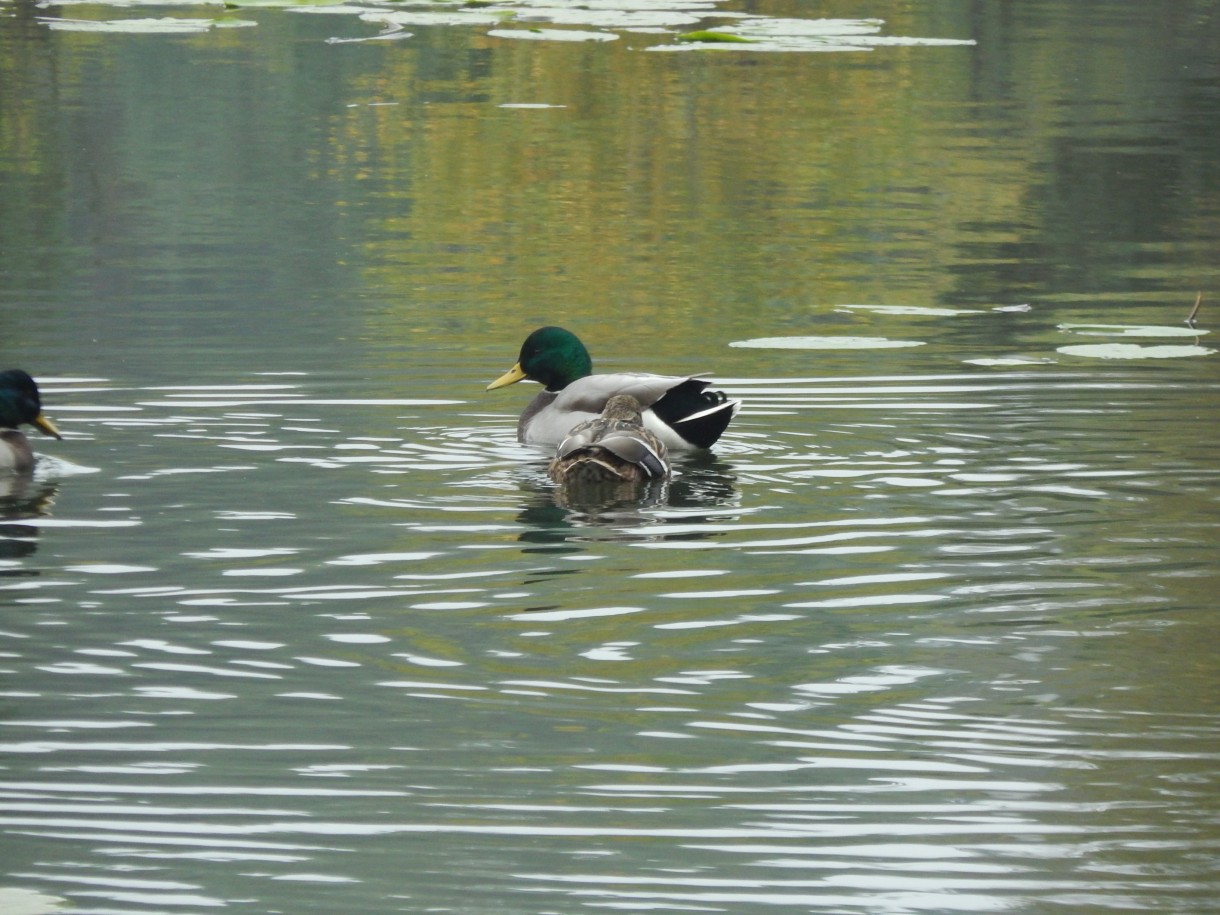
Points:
(290, 622)
(885, 652)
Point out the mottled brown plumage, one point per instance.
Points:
(613, 448)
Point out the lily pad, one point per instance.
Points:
(420, 17)
(711, 36)
(911, 310)
(706, 6)
(553, 35)
(164, 26)
(611, 14)
(1008, 361)
(755, 33)
(125, 4)
(1131, 330)
(825, 343)
(1134, 351)
(272, 4)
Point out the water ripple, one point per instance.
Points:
(853, 662)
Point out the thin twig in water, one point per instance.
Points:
(1194, 312)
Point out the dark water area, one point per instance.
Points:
(290, 622)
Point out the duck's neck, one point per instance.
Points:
(15, 451)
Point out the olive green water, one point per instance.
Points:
(289, 622)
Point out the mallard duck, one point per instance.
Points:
(681, 411)
(611, 448)
(20, 403)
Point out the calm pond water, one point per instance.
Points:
(290, 622)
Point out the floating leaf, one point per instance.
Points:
(772, 27)
(753, 32)
(776, 34)
(1007, 360)
(418, 17)
(1131, 330)
(608, 15)
(163, 26)
(1134, 351)
(759, 45)
(824, 343)
(911, 310)
(710, 36)
(553, 34)
(124, 4)
(275, 4)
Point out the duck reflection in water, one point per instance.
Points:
(557, 517)
(22, 497)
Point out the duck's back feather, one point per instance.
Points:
(680, 410)
(611, 448)
(628, 454)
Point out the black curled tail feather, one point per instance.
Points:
(694, 412)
